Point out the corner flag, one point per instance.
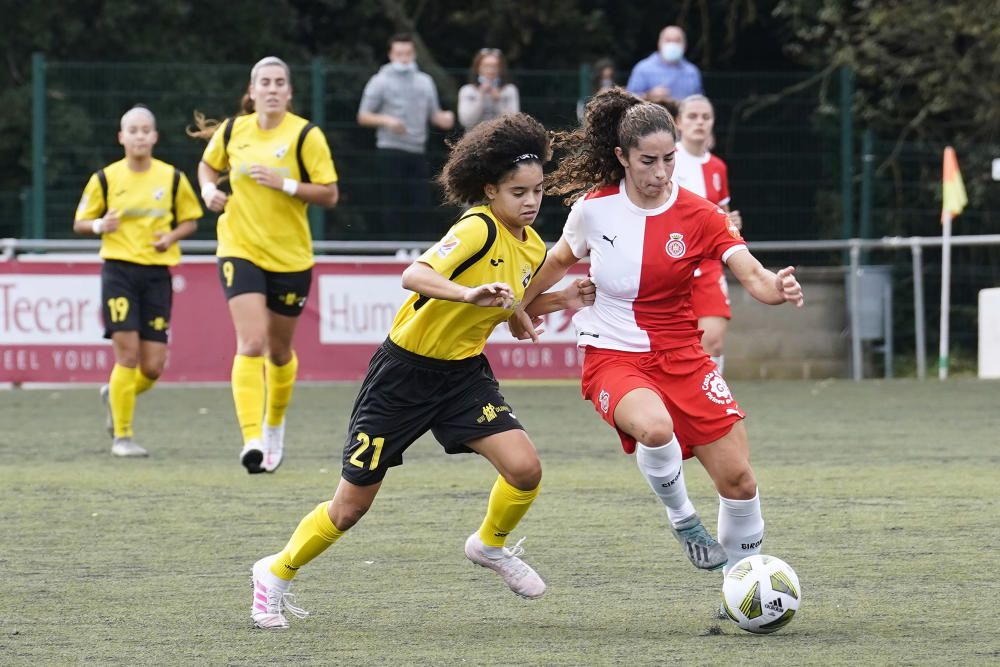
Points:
(953, 199)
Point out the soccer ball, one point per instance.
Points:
(761, 594)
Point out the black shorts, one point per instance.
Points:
(285, 293)
(136, 297)
(405, 395)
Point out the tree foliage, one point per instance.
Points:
(926, 71)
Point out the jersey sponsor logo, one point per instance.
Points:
(604, 398)
(491, 411)
(734, 231)
(716, 389)
(497, 262)
(280, 153)
(446, 245)
(525, 275)
(675, 246)
(158, 193)
(611, 241)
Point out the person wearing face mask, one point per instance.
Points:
(666, 75)
(140, 208)
(488, 93)
(399, 102)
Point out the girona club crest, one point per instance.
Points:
(675, 246)
(605, 400)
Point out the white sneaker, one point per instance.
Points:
(109, 421)
(251, 456)
(515, 572)
(274, 446)
(271, 598)
(125, 447)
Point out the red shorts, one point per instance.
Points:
(710, 291)
(694, 393)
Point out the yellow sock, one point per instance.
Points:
(142, 383)
(315, 533)
(248, 395)
(506, 508)
(121, 396)
(280, 383)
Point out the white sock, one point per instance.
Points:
(720, 361)
(663, 468)
(741, 528)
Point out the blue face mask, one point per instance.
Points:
(403, 67)
(493, 82)
(672, 52)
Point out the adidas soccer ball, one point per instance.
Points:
(761, 594)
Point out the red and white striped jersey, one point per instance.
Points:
(643, 262)
(706, 176)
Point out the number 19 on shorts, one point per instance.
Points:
(367, 443)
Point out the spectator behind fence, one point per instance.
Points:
(398, 102)
(488, 94)
(140, 208)
(666, 74)
(602, 77)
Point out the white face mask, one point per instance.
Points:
(671, 51)
(403, 67)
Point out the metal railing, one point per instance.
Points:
(10, 247)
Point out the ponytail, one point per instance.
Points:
(612, 119)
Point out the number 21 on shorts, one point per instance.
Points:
(367, 443)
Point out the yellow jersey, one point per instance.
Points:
(260, 224)
(150, 201)
(477, 250)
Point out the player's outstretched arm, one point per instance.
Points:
(421, 278)
(766, 286)
(557, 263)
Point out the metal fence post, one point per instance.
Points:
(846, 153)
(918, 306)
(317, 214)
(857, 372)
(865, 216)
(38, 145)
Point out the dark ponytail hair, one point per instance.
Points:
(488, 152)
(613, 118)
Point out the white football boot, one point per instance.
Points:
(515, 572)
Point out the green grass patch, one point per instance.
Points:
(882, 495)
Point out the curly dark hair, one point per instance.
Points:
(490, 151)
(613, 118)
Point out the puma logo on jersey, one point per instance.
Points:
(611, 241)
(120, 193)
(242, 146)
(497, 262)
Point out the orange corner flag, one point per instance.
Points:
(953, 198)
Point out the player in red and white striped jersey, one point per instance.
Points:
(698, 170)
(644, 368)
